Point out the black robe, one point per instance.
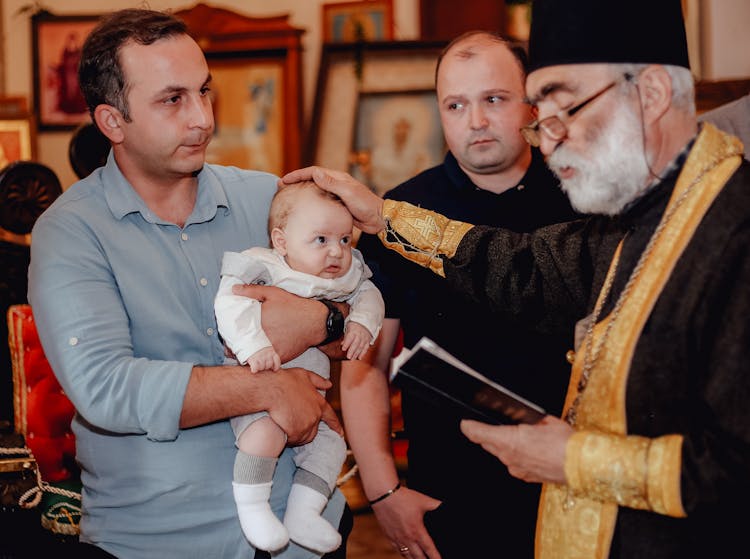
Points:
(690, 373)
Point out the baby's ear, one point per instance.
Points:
(278, 240)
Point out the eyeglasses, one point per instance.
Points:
(553, 126)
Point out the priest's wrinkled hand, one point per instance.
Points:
(533, 453)
(365, 206)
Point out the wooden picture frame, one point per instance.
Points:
(14, 107)
(348, 74)
(365, 20)
(710, 94)
(56, 44)
(17, 140)
(255, 66)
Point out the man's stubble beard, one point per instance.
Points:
(612, 173)
(495, 159)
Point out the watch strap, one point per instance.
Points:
(334, 323)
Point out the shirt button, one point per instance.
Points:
(210, 331)
(520, 187)
(184, 236)
(73, 341)
(204, 282)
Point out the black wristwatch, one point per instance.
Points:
(334, 323)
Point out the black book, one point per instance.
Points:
(428, 371)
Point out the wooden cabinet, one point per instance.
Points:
(442, 20)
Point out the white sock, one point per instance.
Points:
(259, 523)
(304, 523)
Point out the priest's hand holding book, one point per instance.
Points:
(532, 452)
(518, 432)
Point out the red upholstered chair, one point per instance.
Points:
(27, 188)
(42, 412)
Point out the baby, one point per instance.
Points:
(312, 256)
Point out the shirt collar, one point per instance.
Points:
(536, 173)
(122, 199)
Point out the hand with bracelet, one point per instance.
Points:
(397, 511)
(400, 511)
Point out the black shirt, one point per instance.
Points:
(441, 461)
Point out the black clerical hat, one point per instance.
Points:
(608, 31)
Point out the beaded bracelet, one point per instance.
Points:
(386, 494)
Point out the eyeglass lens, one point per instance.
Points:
(553, 126)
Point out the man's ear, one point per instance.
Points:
(278, 240)
(655, 92)
(109, 120)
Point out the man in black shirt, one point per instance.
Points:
(490, 176)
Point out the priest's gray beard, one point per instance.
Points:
(613, 172)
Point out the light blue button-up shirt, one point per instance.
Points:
(123, 302)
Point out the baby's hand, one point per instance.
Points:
(356, 340)
(264, 360)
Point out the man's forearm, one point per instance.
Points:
(293, 324)
(365, 407)
(290, 396)
(288, 338)
(216, 393)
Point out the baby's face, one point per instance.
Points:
(318, 237)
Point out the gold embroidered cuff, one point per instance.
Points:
(632, 471)
(420, 235)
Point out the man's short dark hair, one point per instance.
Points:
(100, 74)
(517, 49)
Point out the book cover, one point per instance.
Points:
(430, 372)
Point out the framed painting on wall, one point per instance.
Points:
(249, 114)
(56, 45)
(397, 135)
(255, 66)
(16, 140)
(366, 20)
(360, 84)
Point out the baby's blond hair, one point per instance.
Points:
(286, 199)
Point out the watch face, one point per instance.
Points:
(335, 323)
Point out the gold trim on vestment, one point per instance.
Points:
(420, 235)
(605, 466)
